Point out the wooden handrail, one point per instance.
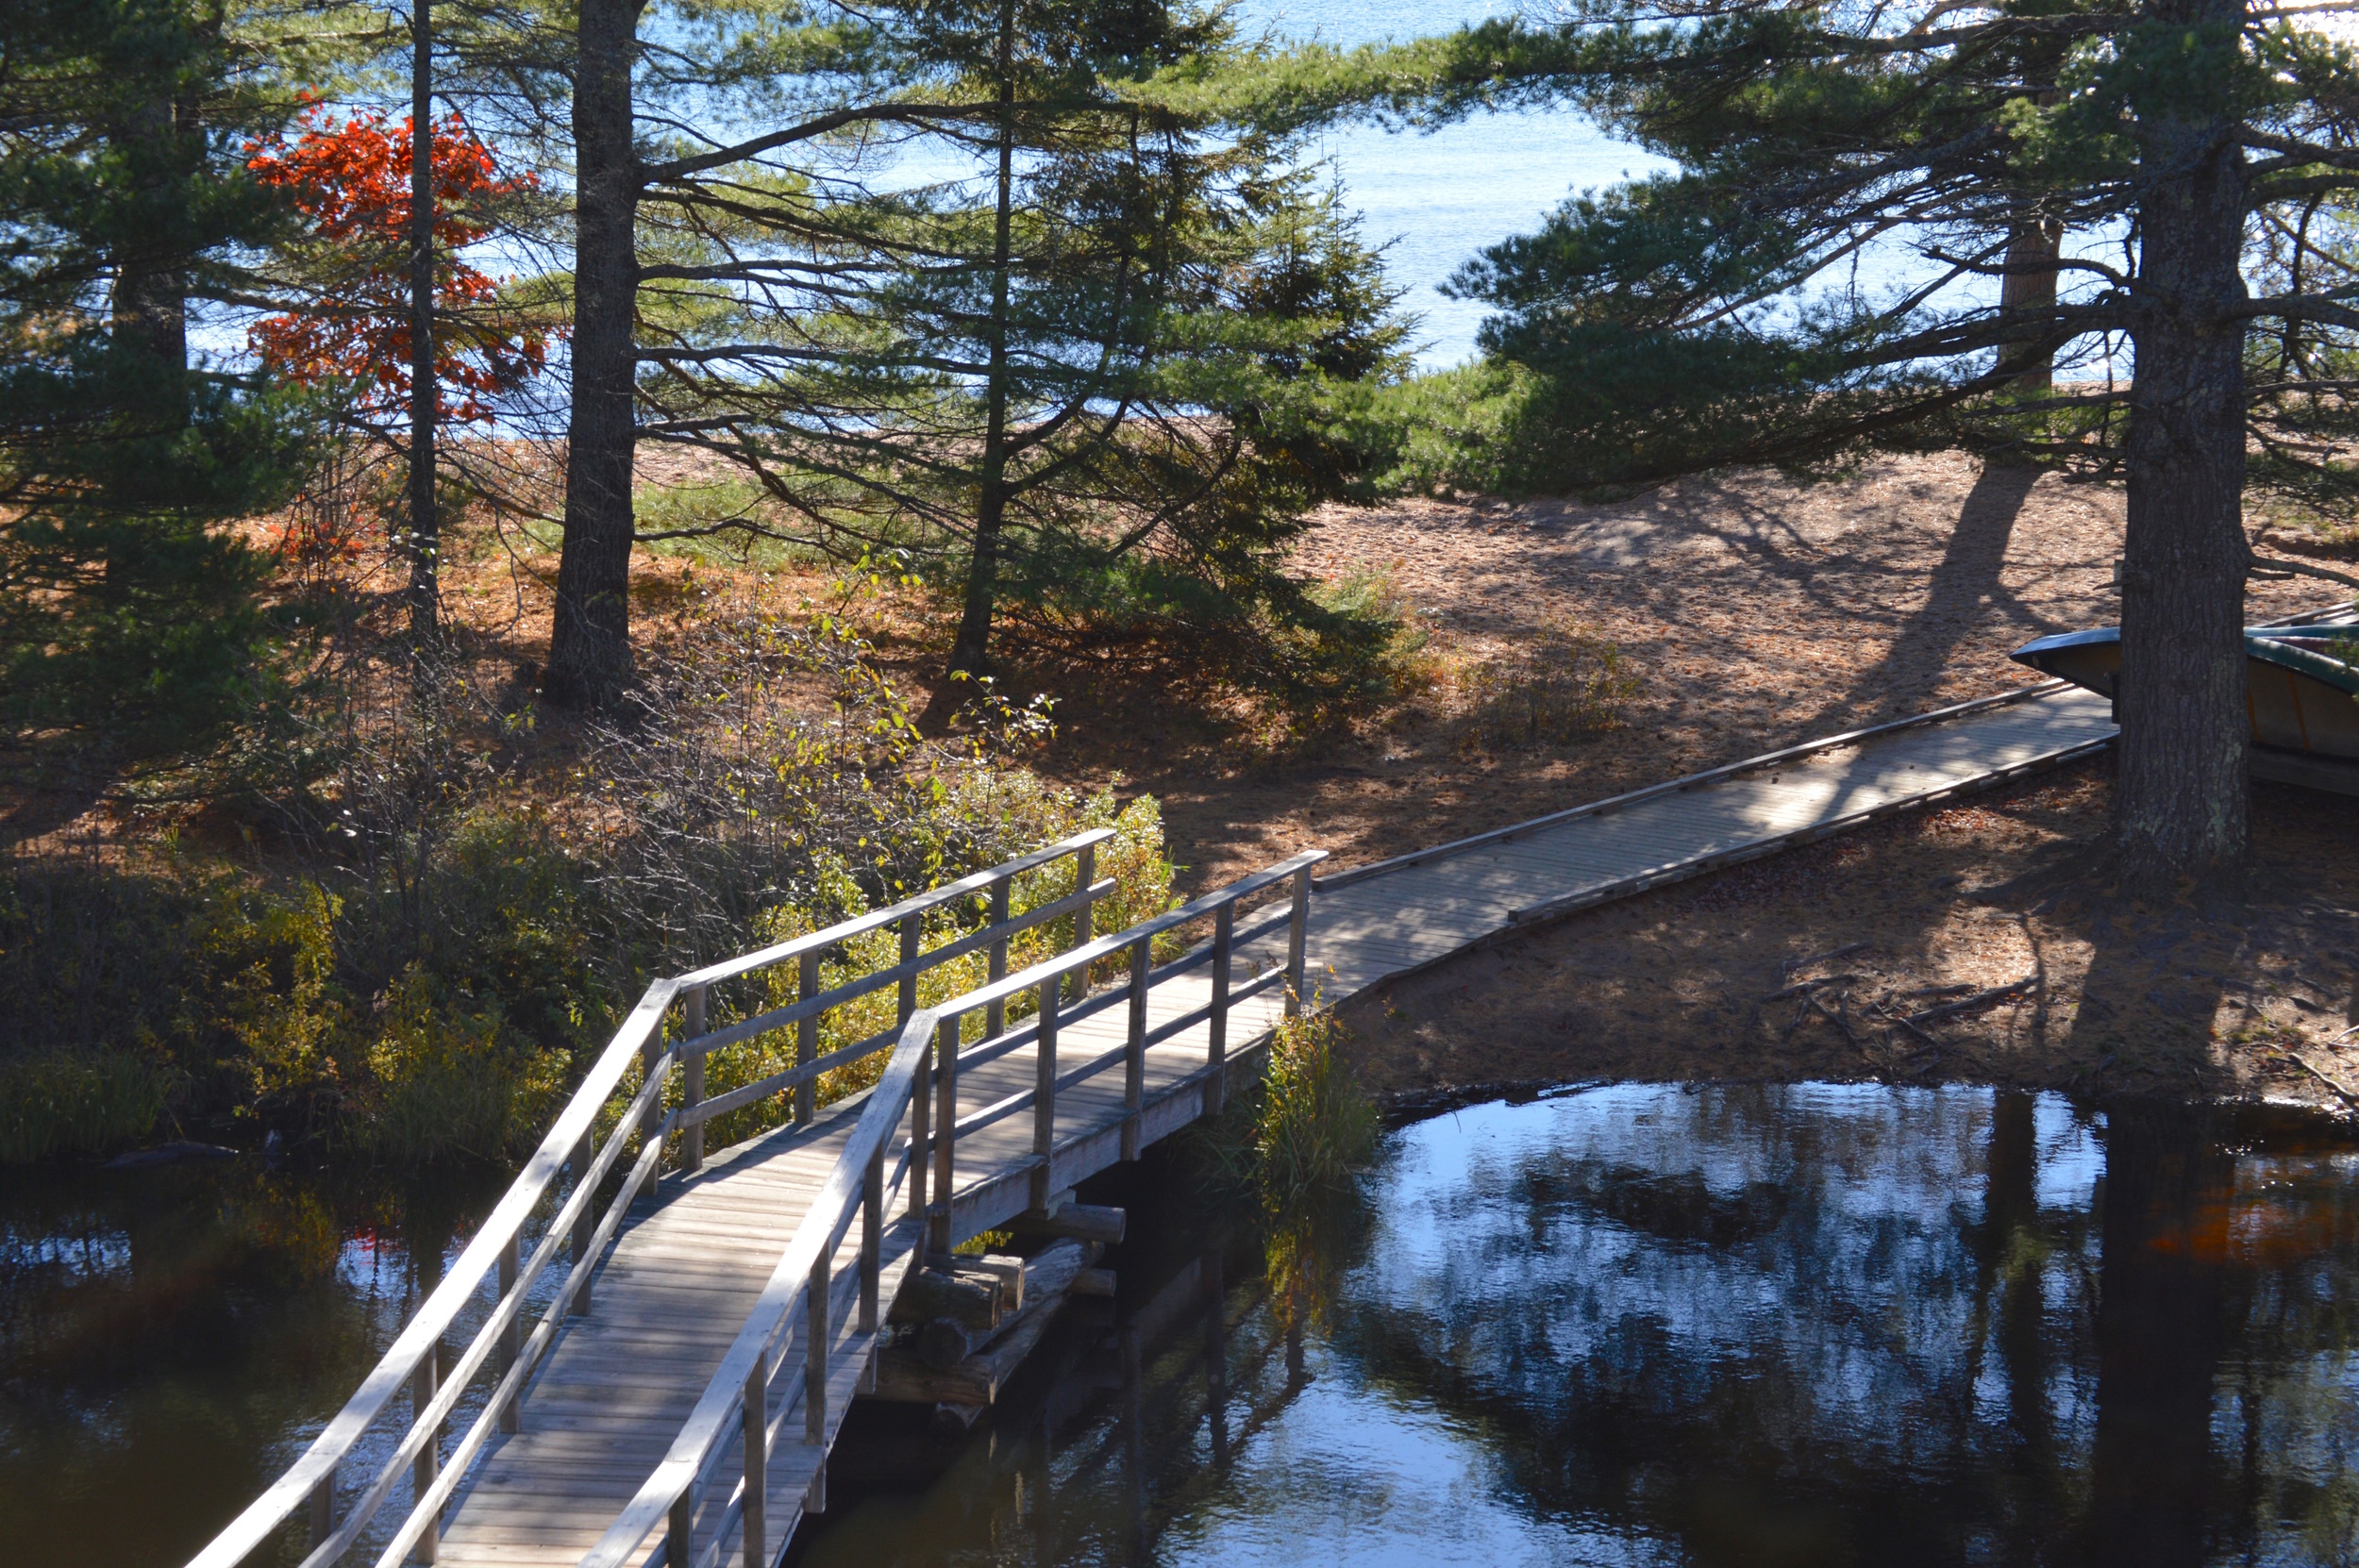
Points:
(982, 881)
(314, 1474)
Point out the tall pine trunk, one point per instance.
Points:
(590, 658)
(425, 525)
(2033, 249)
(2180, 809)
(970, 653)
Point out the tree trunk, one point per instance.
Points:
(149, 299)
(590, 642)
(2179, 802)
(425, 525)
(2032, 250)
(970, 654)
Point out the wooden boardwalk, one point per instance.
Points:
(1401, 914)
(687, 1272)
(619, 1435)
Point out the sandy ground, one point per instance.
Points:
(1756, 613)
(1970, 942)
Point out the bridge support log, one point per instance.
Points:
(1083, 1221)
(975, 1305)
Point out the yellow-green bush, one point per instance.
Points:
(1017, 808)
(443, 1074)
(1313, 1125)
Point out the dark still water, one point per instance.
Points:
(1750, 1326)
(172, 1337)
(1628, 1325)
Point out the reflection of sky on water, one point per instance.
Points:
(1650, 1324)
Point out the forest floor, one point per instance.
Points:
(1754, 613)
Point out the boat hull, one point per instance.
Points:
(2301, 697)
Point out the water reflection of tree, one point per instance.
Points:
(1767, 1330)
(1732, 1323)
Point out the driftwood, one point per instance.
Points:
(1980, 999)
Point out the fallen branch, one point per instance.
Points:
(1907, 1023)
(2345, 1096)
(1847, 949)
(1980, 999)
(2273, 567)
(1814, 999)
(1799, 987)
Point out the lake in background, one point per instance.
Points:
(1439, 199)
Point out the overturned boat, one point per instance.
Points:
(2301, 691)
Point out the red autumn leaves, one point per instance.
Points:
(351, 183)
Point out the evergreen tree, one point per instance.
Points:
(128, 616)
(1092, 373)
(2152, 155)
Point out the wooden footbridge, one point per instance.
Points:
(645, 1352)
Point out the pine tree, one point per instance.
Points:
(1091, 376)
(129, 621)
(2152, 155)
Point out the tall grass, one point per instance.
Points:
(1313, 1125)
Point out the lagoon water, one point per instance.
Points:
(1659, 1325)
(1438, 198)
(1633, 1324)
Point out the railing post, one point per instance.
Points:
(586, 1223)
(871, 1239)
(650, 1054)
(1297, 933)
(1216, 1030)
(1044, 1091)
(815, 1354)
(996, 1015)
(945, 1133)
(758, 1465)
(1134, 1051)
(324, 1506)
(912, 931)
(1084, 873)
(921, 1107)
(680, 1535)
(691, 1137)
(512, 1337)
(806, 1042)
(429, 1461)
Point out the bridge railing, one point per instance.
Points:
(754, 1393)
(416, 1362)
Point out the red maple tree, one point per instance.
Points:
(351, 182)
